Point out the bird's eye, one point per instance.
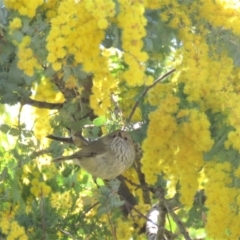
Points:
(114, 136)
(125, 138)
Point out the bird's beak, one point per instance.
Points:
(120, 134)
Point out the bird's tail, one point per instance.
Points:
(60, 159)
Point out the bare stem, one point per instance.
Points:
(146, 90)
(41, 104)
(42, 217)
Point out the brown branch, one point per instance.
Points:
(135, 184)
(41, 104)
(68, 234)
(141, 176)
(146, 90)
(139, 213)
(174, 216)
(113, 230)
(39, 153)
(155, 226)
(60, 139)
(167, 234)
(19, 119)
(125, 194)
(68, 93)
(42, 217)
(161, 220)
(89, 209)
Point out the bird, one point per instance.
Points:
(106, 157)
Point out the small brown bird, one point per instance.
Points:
(107, 157)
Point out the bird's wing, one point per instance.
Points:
(93, 149)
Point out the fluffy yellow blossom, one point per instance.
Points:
(56, 66)
(27, 61)
(234, 139)
(133, 32)
(222, 213)
(221, 13)
(62, 201)
(237, 172)
(24, 9)
(16, 232)
(39, 189)
(16, 23)
(124, 229)
(45, 91)
(71, 82)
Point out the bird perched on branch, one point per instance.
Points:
(107, 157)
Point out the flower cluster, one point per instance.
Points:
(10, 227)
(15, 24)
(61, 201)
(132, 34)
(78, 30)
(24, 7)
(44, 91)
(222, 202)
(175, 145)
(26, 58)
(39, 189)
(221, 14)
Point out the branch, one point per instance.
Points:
(140, 214)
(60, 139)
(113, 230)
(154, 224)
(41, 104)
(39, 153)
(68, 234)
(174, 216)
(42, 217)
(126, 195)
(141, 176)
(77, 139)
(146, 90)
(161, 220)
(89, 209)
(19, 120)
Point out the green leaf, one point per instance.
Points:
(4, 128)
(17, 35)
(67, 72)
(100, 121)
(25, 23)
(148, 44)
(15, 74)
(29, 79)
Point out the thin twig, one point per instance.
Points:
(42, 217)
(67, 233)
(169, 222)
(19, 119)
(166, 232)
(60, 139)
(178, 222)
(109, 220)
(112, 227)
(39, 153)
(146, 90)
(141, 176)
(41, 104)
(89, 209)
(161, 221)
(174, 216)
(135, 184)
(140, 214)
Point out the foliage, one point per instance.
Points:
(80, 69)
